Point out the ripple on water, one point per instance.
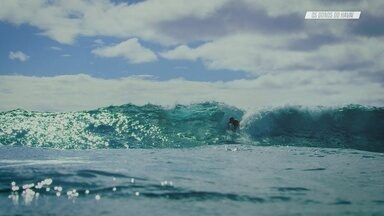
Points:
(203, 195)
(367, 156)
(342, 202)
(315, 169)
(280, 198)
(288, 189)
(94, 173)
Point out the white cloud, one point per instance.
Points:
(225, 44)
(98, 42)
(18, 55)
(278, 7)
(258, 54)
(79, 92)
(130, 49)
(64, 20)
(56, 48)
(181, 52)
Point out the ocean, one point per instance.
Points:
(183, 160)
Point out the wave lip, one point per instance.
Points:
(152, 126)
(126, 126)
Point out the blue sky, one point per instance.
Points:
(50, 58)
(245, 53)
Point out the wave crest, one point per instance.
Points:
(152, 126)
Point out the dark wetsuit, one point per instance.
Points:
(234, 123)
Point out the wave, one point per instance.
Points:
(152, 126)
(353, 126)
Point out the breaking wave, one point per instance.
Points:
(152, 126)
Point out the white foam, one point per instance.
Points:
(15, 188)
(48, 181)
(28, 195)
(27, 186)
(166, 183)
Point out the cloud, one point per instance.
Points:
(130, 49)
(278, 7)
(98, 42)
(232, 18)
(64, 20)
(368, 25)
(257, 54)
(236, 52)
(80, 92)
(170, 21)
(258, 37)
(180, 21)
(181, 52)
(312, 41)
(56, 48)
(18, 55)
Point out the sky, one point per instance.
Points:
(64, 55)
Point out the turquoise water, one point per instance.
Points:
(207, 180)
(152, 126)
(151, 160)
